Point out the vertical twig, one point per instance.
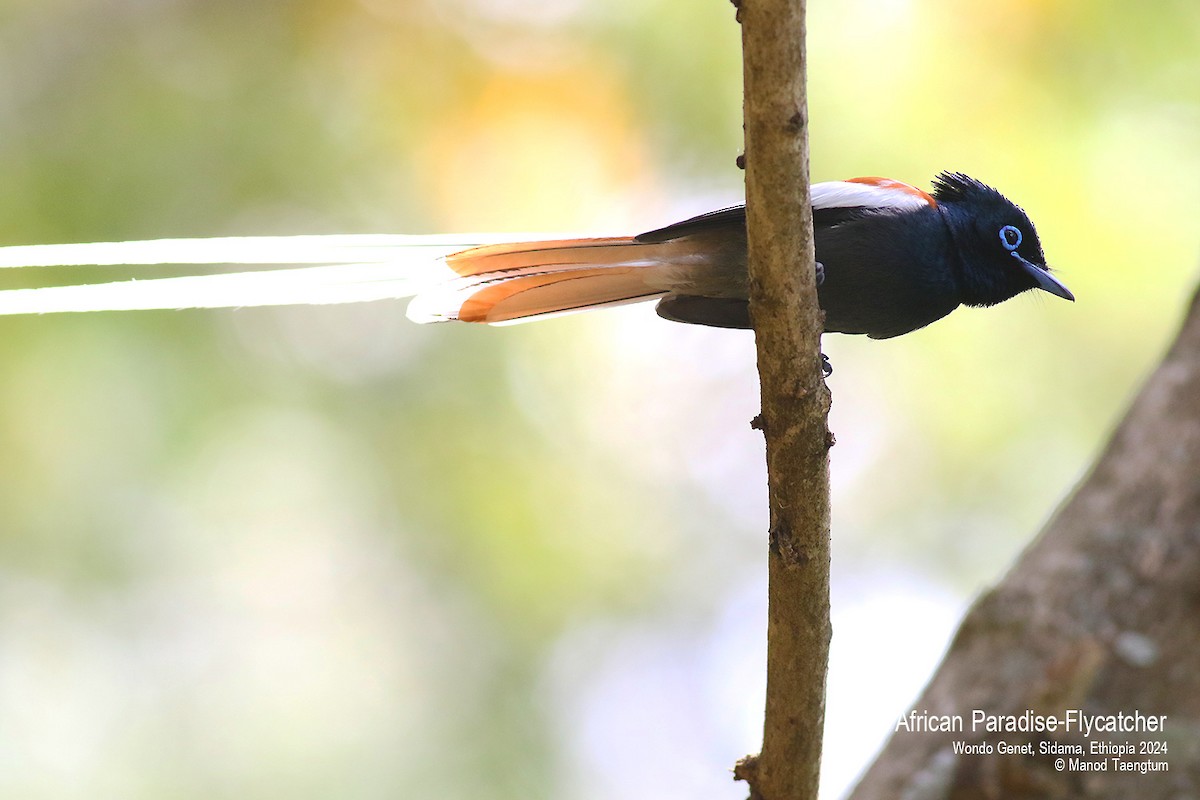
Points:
(795, 401)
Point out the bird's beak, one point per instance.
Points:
(1044, 279)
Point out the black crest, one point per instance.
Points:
(955, 187)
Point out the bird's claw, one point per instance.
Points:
(826, 367)
(820, 273)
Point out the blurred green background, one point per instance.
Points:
(319, 552)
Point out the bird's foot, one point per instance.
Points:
(826, 367)
(820, 273)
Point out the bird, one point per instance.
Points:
(891, 259)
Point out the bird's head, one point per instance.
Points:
(998, 247)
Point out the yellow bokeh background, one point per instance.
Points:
(317, 552)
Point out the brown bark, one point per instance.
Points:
(795, 401)
(1101, 613)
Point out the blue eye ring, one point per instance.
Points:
(1010, 237)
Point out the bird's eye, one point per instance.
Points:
(1010, 237)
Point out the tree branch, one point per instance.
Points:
(795, 401)
(1100, 614)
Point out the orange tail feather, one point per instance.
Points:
(516, 282)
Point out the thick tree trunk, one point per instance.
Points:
(1101, 614)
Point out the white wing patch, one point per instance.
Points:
(878, 193)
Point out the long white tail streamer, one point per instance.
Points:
(359, 268)
(332, 249)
